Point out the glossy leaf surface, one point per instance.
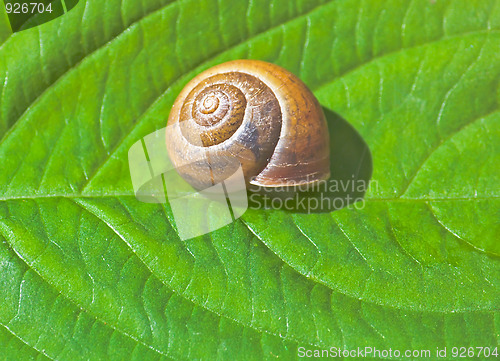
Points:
(88, 272)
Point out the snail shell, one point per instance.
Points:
(255, 112)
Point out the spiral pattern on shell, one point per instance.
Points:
(225, 104)
(255, 112)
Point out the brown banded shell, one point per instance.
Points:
(255, 112)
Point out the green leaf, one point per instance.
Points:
(5, 28)
(89, 272)
(25, 14)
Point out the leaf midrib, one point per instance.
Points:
(287, 337)
(180, 78)
(122, 195)
(77, 196)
